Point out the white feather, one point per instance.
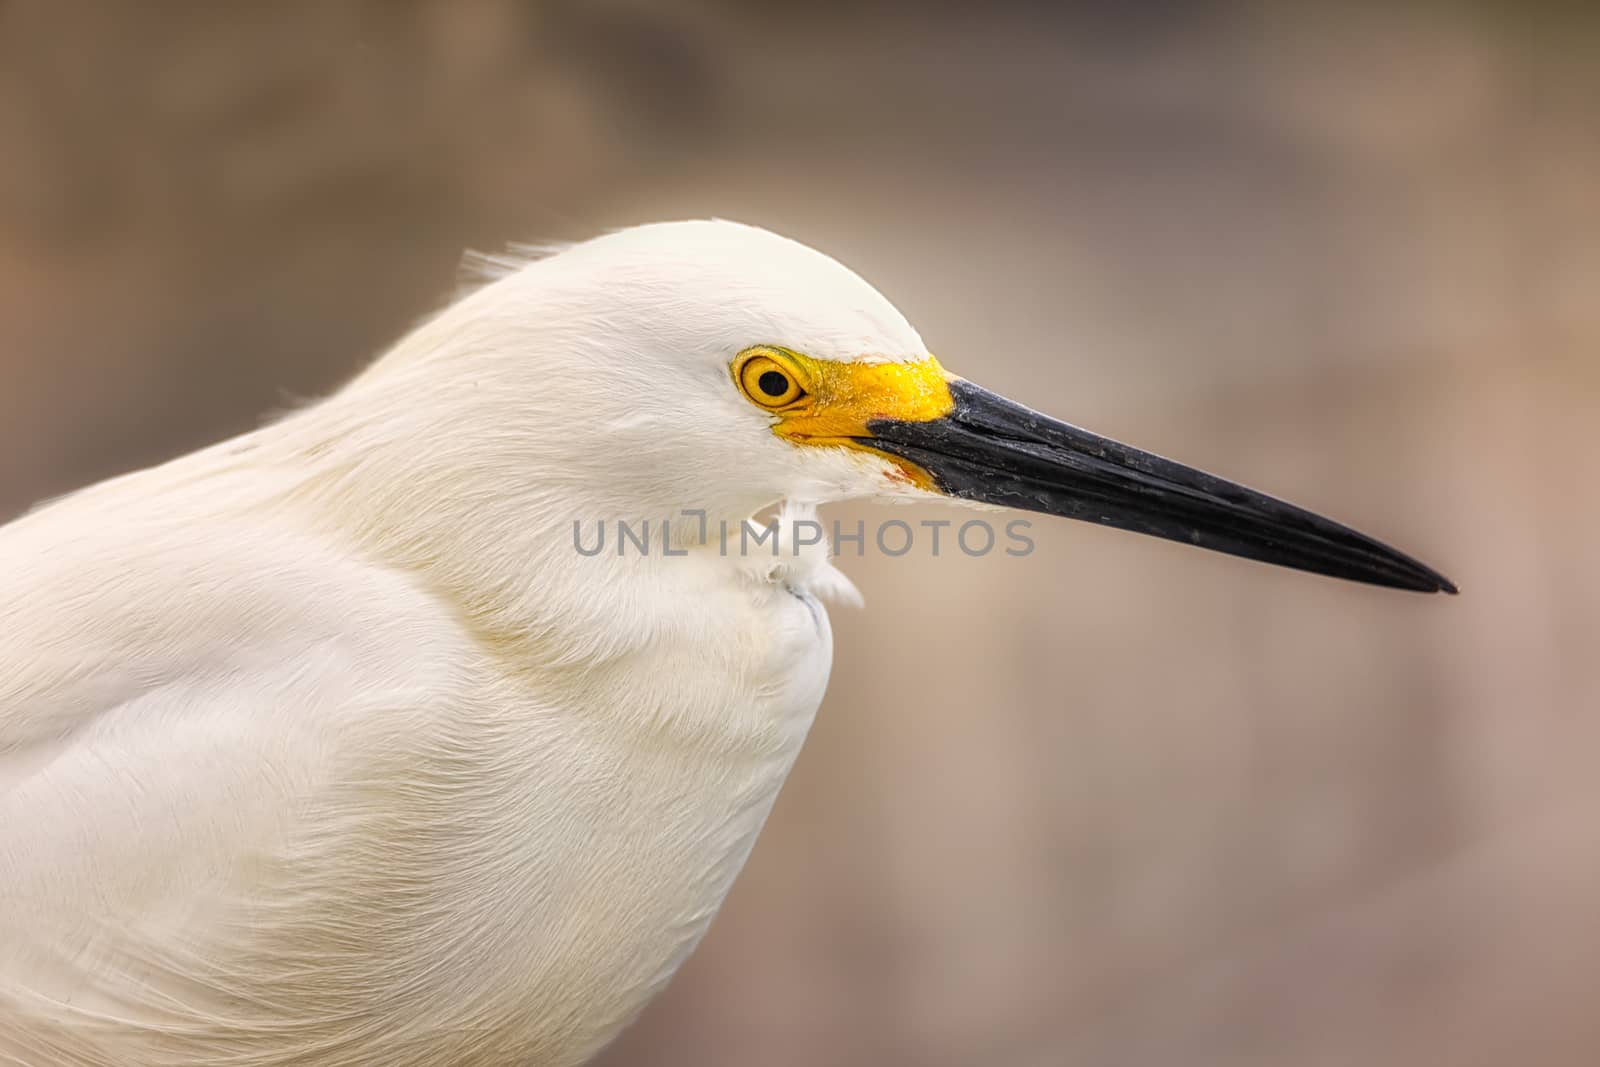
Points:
(324, 746)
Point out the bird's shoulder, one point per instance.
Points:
(107, 607)
(180, 691)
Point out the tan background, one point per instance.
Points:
(1119, 802)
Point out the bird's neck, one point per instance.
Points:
(530, 553)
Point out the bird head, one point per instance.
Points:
(722, 366)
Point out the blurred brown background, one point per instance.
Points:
(1117, 803)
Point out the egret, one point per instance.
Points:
(323, 746)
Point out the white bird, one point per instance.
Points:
(324, 746)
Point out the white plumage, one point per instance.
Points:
(325, 746)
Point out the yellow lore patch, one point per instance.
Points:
(828, 402)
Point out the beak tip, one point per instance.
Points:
(1428, 580)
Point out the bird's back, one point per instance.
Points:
(197, 707)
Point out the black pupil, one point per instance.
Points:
(773, 383)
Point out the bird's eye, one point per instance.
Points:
(769, 382)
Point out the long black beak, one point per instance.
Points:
(991, 450)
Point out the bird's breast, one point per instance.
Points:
(646, 786)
